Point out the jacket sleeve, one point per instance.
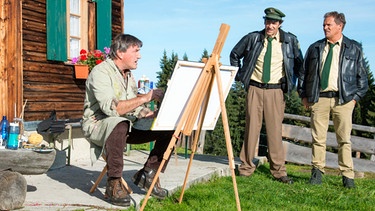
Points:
(298, 61)
(301, 88)
(237, 54)
(362, 78)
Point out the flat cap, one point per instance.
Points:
(273, 14)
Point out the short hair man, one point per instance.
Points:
(334, 80)
(112, 111)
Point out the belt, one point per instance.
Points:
(265, 86)
(329, 94)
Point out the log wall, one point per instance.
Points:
(49, 85)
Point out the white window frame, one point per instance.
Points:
(83, 28)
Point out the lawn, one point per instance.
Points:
(262, 192)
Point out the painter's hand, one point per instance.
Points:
(156, 94)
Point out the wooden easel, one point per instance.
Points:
(197, 103)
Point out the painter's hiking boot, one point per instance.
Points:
(347, 182)
(117, 193)
(316, 177)
(143, 179)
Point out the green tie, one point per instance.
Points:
(267, 62)
(327, 67)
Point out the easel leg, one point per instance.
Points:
(227, 135)
(196, 137)
(165, 157)
(195, 142)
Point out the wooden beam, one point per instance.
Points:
(298, 133)
(11, 58)
(302, 155)
(4, 21)
(91, 25)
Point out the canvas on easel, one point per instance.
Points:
(179, 89)
(196, 108)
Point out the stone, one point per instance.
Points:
(13, 188)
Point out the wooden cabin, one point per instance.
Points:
(38, 39)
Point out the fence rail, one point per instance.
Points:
(297, 153)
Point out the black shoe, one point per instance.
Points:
(316, 177)
(285, 179)
(347, 182)
(143, 179)
(117, 193)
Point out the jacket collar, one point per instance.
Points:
(281, 32)
(346, 42)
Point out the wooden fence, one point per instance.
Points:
(297, 153)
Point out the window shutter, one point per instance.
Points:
(103, 23)
(56, 30)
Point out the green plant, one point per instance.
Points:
(91, 58)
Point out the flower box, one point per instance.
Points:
(81, 71)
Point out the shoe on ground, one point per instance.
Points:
(143, 179)
(316, 177)
(117, 193)
(347, 182)
(285, 179)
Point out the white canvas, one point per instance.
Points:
(181, 86)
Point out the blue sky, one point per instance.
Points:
(189, 27)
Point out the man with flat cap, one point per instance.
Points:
(269, 62)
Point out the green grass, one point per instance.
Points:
(146, 147)
(262, 192)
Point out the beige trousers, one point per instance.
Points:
(342, 120)
(270, 104)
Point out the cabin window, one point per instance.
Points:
(77, 24)
(69, 19)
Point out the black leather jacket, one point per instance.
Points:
(249, 48)
(352, 81)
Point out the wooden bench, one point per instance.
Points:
(53, 138)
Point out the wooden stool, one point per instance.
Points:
(104, 171)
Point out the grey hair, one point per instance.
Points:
(121, 43)
(339, 17)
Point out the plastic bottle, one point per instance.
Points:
(152, 103)
(141, 85)
(14, 132)
(4, 130)
(147, 85)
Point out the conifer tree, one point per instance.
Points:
(368, 101)
(167, 66)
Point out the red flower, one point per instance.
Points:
(83, 51)
(83, 57)
(91, 58)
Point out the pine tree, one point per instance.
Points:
(167, 66)
(235, 106)
(368, 101)
(205, 54)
